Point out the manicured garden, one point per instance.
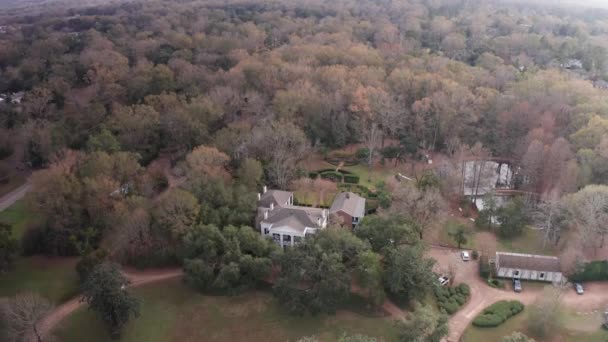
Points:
(172, 311)
(575, 328)
(451, 299)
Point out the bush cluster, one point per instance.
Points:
(353, 179)
(332, 175)
(484, 267)
(496, 283)
(497, 313)
(450, 299)
(337, 157)
(592, 271)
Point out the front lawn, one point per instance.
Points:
(575, 328)
(18, 217)
(173, 312)
(53, 278)
(530, 241)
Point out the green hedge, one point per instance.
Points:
(332, 175)
(496, 283)
(497, 313)
(591, 271)
(313, 175)
(450, 299)
(484, 267)
(353, 179)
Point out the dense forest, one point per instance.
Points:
(103, 99)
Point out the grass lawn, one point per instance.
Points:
(55, 279)
(529, 242)
(363, 172)
(173, 312)
(573, 328)
(18, 217)
(450, 226)
(312, 198)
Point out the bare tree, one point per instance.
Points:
(550, 216)
(544, 313)
(422, 206)
(589, 211)
(22, 315)
(282, 145)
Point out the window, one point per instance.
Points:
(266, 231)
(286, 238)
(542, 275)
(355, 220)
(276, 237)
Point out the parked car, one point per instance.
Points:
(517, 285)
(578, 287)
(443, 280)
(465, 255)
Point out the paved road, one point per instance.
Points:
(15, 195)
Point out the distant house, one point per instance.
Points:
(350, 207)
(600, 84)
(528, 267)
(288, 224)
(572, 64)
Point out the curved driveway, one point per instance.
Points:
(482, 295)
(15, 195)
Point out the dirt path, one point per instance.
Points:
(137, 278)
(15, 195)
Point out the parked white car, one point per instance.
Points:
(443, 280)
(465, 255)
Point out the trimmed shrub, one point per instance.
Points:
(475, 255)
(353, 179)
(484, 267)
(591, 271)
(332, 175)
(313, 175)
(450, 299)
(362, 153)
(497, 313)
(496, 283)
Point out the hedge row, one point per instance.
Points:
(592, 271)
(336, 176)
(358, 189)
(497, 313)
(450, 299)
(332, 175)
(353, 179)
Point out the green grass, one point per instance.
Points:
(364, 175)
(573, 328)
(55, 279)
(312, 198)
(172, 312)
(18, 217)
(450, 226)
(529, 242)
